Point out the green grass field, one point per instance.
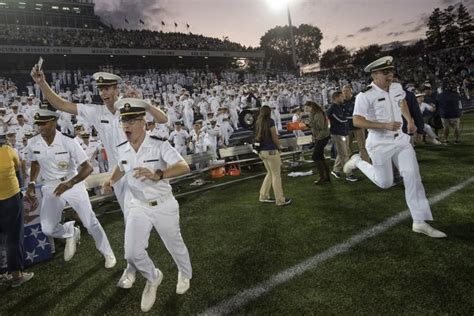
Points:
(236, 243)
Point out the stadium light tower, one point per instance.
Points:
(278, 5)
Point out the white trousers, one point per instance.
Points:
(164, 217)
(51, 214)
(385, 150)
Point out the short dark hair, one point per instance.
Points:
(336, 94)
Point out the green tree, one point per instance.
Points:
(433, 34)
(277, 45)
(334, 58)
(366, 55)
(450, 30)
(466, 27)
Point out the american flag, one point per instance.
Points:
(37, 245)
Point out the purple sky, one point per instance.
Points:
(353, 23)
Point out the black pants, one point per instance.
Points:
(318, 150)
(11, 226)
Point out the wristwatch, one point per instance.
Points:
(159, 172)
(32, 183)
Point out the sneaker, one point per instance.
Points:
(269, 200)
(352, 178)
(287, 201)
(126, 280)
(336, 174)
(446, 142)
(436, 142)
(71, 244)
(426, 229)
(110, 261)
(457, 142)
(183, 284)
(149, 293)
(25, 277)
(351, 164)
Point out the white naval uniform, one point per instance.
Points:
(58, 162)
(178, 138)
(151, 204)
(385, 146)
(110, 133)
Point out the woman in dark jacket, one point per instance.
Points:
(266, 136)
(320, 128)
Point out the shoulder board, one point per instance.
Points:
(159, 138)
(122, 143)
(67, 135)
(367, 88)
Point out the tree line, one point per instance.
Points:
(447, 28)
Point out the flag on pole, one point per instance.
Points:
(126, 21)
(141, 21)
(162, 23)
(175, 24)
(187, 25)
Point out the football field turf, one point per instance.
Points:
(259, 259)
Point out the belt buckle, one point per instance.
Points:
(153, 203)
(62, 179)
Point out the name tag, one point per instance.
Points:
(381, 99)
(36, 152)
(104, 121)
(151, 160)
(63, 152)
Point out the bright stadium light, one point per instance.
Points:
(277, 5)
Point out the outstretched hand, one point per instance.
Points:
(37, 74)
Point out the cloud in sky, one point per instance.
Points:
(365, 29)
(395, 34)
(115, 12)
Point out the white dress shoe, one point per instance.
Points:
(183, 284)
(110, 261)
(71, 244)
(126, 280)
(149, 292)
(426, 229)
(351, 164)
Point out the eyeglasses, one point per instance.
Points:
(130, 122)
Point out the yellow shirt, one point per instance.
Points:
(9, 163)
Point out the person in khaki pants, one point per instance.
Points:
(266, 138)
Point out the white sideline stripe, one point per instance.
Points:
(250, 294)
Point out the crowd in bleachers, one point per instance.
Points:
(203, 108)
(112, 38)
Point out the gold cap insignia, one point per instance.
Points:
(127, 107)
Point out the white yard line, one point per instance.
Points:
(246, 296)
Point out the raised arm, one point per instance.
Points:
(54, 99)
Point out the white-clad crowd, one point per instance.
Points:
(203, 111)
